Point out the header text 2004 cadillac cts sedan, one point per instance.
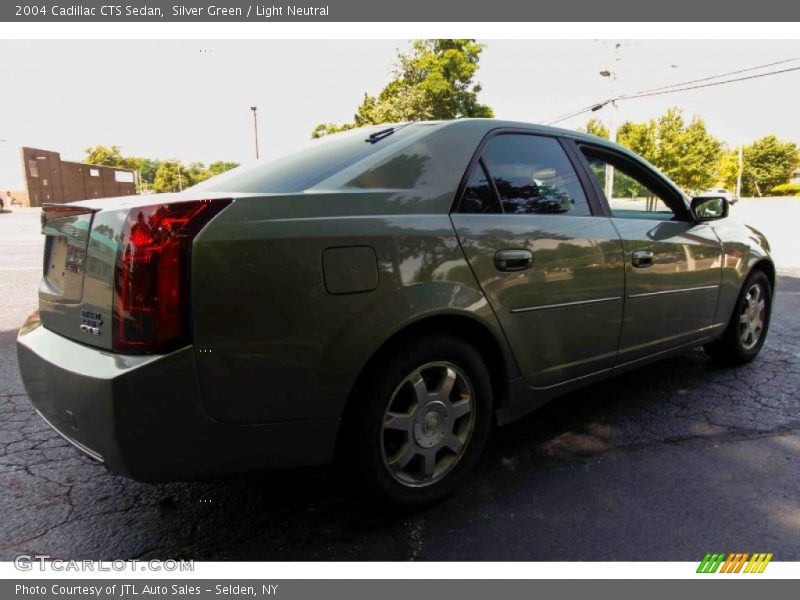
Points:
(387, 293)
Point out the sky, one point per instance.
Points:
(191, 99)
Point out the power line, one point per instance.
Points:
(672, 90)
(580, 111)
(764, 66)
(705, 85)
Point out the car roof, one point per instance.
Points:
(489, 125)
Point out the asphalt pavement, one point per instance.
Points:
(666, 463)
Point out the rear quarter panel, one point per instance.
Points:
(271, 343)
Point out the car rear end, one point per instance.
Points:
(110, 359)
(107, 358)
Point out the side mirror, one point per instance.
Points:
(708, 208)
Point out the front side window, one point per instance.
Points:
(627, 194)
(532, 175)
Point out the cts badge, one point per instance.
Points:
(91, 322)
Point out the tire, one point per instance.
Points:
(743, 338)
(412, 444)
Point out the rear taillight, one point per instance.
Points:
(151, 278)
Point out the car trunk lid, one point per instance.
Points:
(76, 290)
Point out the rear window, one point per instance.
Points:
(318, 161)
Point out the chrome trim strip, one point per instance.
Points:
(78, 445)
(676, 291)
(565, 304)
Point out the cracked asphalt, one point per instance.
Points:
(666, 463)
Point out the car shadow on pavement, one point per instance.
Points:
(637, 467)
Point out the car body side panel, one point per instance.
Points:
(673, 300)
(273, 344)
(742, 248)
(562, 315)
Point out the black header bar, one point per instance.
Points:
(400, 10)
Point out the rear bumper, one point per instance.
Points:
(143, 416)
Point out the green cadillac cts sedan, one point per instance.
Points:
(386, 295)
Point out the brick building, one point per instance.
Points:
(48, 179)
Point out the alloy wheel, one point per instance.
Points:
(751, 320)
(428, 424)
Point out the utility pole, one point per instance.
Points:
(255, 126)
(613, 117)
(739, 172)
(180, 184)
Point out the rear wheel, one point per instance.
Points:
(422, 420)
(747, 329)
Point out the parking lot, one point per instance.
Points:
(665, 463)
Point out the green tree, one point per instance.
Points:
(641, 138)
(685, 152)
(147, 170)
(196, 172)
(435, 80)
(767, 162)
(171, 177)
(109, 157)
(596, 127)
(220, 166)
(728, 173)
(112, 157)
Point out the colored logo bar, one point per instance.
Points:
(738, 562)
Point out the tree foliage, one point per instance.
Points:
(220, 166)
(728, 172)
(786, 189)
(147, 170)
(155, 174)
(694, 159)
(767, 162)
(174, 176)
(642, 138)
(110, 157)
(684, 151)
(435, 80)
(596, 127)
(171, 177)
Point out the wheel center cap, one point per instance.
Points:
(430, 424)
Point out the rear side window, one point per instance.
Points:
(315, 163)
(533, 175)
(478, 196)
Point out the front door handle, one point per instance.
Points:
(513, 260)
(642, 258)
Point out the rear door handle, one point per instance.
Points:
(513, 260)
(642, 258)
